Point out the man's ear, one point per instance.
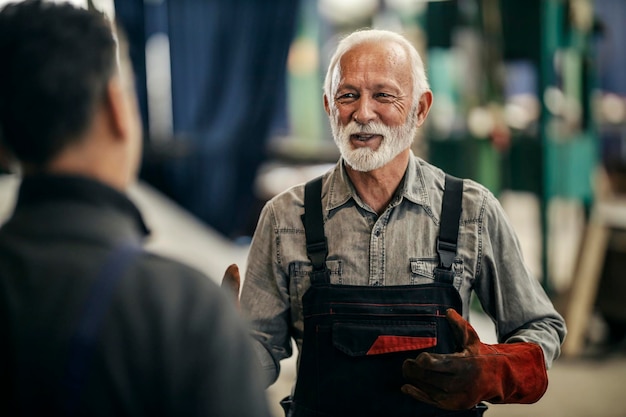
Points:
(326, 105)
(117, 107)
(425, 102)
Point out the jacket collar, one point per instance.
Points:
(45, 188)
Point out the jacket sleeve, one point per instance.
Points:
(233, 386)
(213, 369)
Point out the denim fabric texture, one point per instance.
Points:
(395, 248)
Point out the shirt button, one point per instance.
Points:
(377, 232)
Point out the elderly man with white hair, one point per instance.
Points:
(370, 267)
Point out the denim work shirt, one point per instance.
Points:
(395, 248)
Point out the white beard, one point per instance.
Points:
(395, 140)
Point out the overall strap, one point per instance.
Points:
(96, 305)
(449, 227)
(317, 247)
(313, 220)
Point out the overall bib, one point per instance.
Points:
(357, 337)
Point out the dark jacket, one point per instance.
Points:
(170, 343)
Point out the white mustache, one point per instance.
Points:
(372, 128)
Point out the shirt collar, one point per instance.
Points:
(412, 187)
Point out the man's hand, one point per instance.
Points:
(232, 281)
(502, 373)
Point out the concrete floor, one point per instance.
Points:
(579, 387)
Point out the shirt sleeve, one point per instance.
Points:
(509, 293)
(265, 297)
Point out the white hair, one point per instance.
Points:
(420, 82)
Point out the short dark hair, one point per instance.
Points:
(56, 62)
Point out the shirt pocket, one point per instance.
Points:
(422, 270)
(300, 281)
(300, 272)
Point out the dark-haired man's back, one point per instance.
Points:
(168, 343)
(92, 325)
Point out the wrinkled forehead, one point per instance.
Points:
(383, 60)
(388, 50)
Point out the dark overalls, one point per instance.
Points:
(357, 337)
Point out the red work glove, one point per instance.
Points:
(232, 281)
(499, 374)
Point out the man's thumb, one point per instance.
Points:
(464, 333)
(232, 281)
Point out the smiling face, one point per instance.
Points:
(372, 114)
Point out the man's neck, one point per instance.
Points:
(93, 159)
(377, 188)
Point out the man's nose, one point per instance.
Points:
(364, 112)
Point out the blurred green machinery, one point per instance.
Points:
(557, 154)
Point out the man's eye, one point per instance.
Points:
(346, 97)
(383, 96)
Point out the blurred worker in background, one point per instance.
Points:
(370, 268)
(92, 324)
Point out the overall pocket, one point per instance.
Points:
(356, 340)
(365, 359)
(377, 337)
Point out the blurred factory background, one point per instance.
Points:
(530, 100)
